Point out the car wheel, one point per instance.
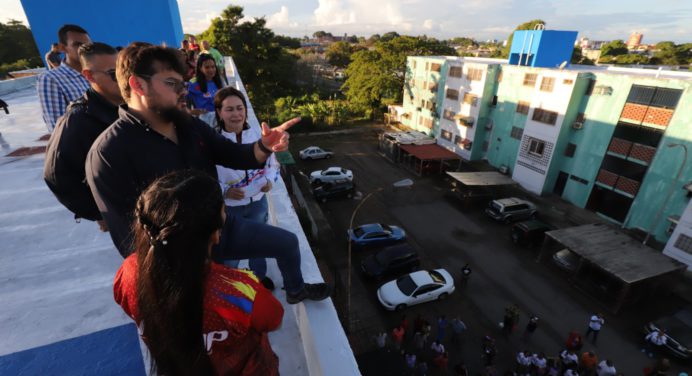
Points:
(508, 220)
(349, 195)
(442, 296)
(400, 307)
(328, 156)
(317, 181)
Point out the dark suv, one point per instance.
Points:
(391, 261)
(529, 233)
(327, 191)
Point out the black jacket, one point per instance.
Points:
(67, 150)
(129, 156)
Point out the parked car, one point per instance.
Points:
(331, 174)
(511, 209)
(415, 288)
(393, 260)
(315, 152)
(375, 234)
(529, 233)
(678, 327)
(328, 191)
(566, 260)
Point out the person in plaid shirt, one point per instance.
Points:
(60, 86)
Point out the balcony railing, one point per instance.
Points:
(632, 150)
(618, 182)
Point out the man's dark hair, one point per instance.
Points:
(144, 59)
(89, 50)
(62, 33)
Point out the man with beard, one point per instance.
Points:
(153, 137)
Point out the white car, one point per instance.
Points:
(331, 174)
(415, 288)
(315, 152)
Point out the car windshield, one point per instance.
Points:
(358, 232)
(406, 285)
(495, 206)
(437, 277)
(386, 228)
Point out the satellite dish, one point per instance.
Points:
(562, 65)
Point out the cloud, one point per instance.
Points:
(428, 24)
(280, 20)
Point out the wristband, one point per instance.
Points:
(264, 149)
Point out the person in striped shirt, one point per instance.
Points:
(60, 86)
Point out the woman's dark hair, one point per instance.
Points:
(201, 79)
(175, 218)
(221, 96)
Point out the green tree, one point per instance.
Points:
(18, 44)
(463, 42)
(668, 53)
(287, 42)
(525, 26)
(614, 48)
(578, 58)
(631, 59)
(339, 54)
(321, 34)
(375, 77)
(389, 36)
(266, 68)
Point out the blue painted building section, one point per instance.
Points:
(542, 48)
(113, 351)
(114, 22)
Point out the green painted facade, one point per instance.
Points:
(601, 111)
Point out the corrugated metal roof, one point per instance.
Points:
(486, 178)
(429, 152)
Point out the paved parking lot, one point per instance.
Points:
(448, 234)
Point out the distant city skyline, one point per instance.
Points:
(443, 19)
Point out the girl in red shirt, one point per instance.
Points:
(196, 317)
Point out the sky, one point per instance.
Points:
(480, 19)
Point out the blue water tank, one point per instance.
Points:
(114, 22)
(542, 48)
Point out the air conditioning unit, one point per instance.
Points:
(504, 169)
(578, 125)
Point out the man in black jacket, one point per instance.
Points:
(153, 136)
(77, 129)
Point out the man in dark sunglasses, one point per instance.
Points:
(77, 129)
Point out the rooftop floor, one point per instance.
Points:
(58, 314)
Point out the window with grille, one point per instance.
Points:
(570, 150)
(544, 116)
(414, 64)
(435, 67)
(654, 96)
(447, 135)
(474, 74)
(567, 81)
(449, 114)
(536, 147)
(470, 99)
(516, 133)
(530, 79)
(452, 94)
(455, 71)
(547, 84)
(523, 107)
(684, 243)
(428, 123)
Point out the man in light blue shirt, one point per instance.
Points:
(60, 86)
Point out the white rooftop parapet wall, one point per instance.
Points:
(325, 346)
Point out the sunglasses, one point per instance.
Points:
(177, 85)
(110, 73)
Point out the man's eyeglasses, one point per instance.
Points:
(110, 73)
(177, 85)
